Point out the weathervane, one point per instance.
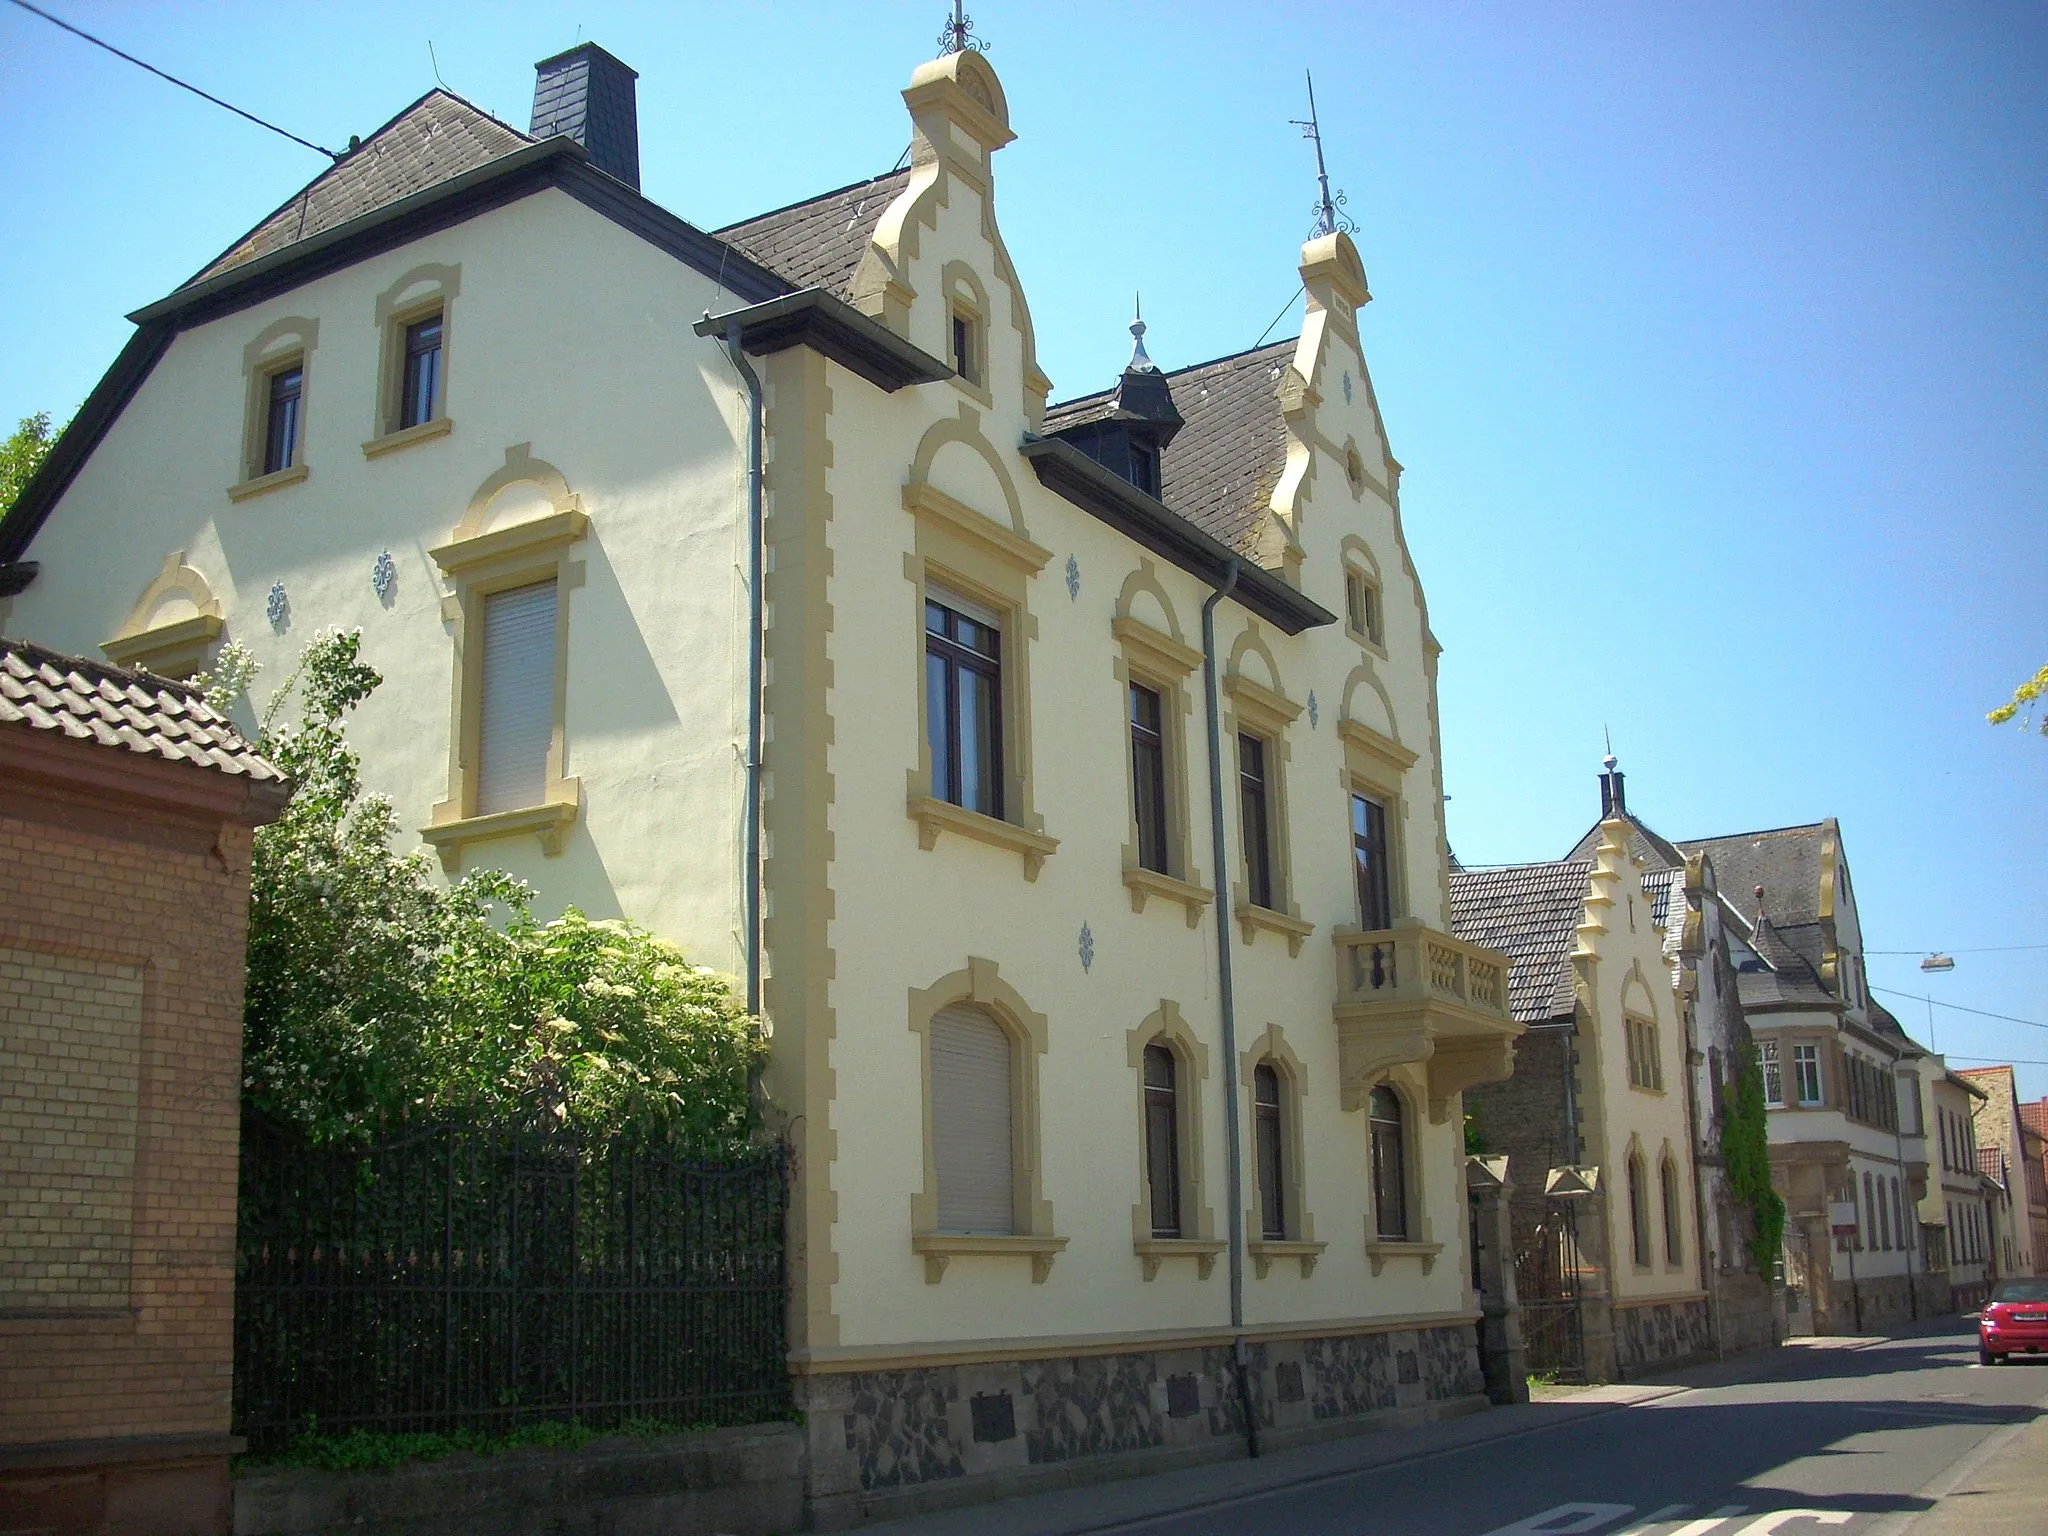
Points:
(959, 35)
(1329, 217)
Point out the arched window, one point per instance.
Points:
(1269, 1148)
(1899, 1216)
(1639, 1211)
(1674, 1247)
(1867, 1227)
(971, 1128)
(1162, 1140)
(1389, 1165)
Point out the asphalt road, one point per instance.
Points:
(1850, 1439)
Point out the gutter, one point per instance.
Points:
(1234, 1150)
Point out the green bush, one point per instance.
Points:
(1746, 1150)
(377, 995)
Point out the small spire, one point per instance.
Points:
(1139, 362)
(958, 36)
(1329, 218)
(1609, 762)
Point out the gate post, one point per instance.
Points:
(1503, 1359)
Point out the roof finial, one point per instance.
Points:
(1609, 762)
(1329, 220)
(959, 35)
(1139, 363)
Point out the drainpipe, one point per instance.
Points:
(750, 837)
(1234, 1152)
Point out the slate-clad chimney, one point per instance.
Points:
(589, 95)
(1613, 802)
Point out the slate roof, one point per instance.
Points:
(437, 137)
(1643, 843)
(121, 709)
(1530, 913)
(1220, 469)
(819, 243)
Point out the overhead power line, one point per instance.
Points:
(2000, 1061)
(1996, 949)
(1959, 1008)
(184, 85)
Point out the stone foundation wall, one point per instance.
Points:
(891, 1442)
(1887, 1304)
(1656, 1334)
(1749, 1317)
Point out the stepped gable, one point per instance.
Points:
(122, 709)
(438, 137)
(1221, 467)
(1530, 913)
(819, 243)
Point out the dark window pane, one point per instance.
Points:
(1270, 1153)
(1256, 815)
(421, 383)
(1162, 1141)
(963, 348)
(281, 432)
(979, 764)
(1389, 1173)
(1148, 778)
(1354, 602)
(1369, 857)
(963, 709)
(937, 714)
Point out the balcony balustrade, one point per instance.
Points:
(1412, 994)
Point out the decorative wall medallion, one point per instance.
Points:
(384, 576)
(1073, 577)
(1087, 948)
(1347, 389)
(1313, 713)
(279, 608)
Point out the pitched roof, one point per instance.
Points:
(121, 709)
(437, 137)
(1530, 913)
(1221, 467)
(819, 242)
(1785, 861)
(2034, 1116)
(1644, 844)
(1991, 1163)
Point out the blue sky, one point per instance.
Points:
(1712, 339)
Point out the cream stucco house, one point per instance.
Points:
(1098, 893)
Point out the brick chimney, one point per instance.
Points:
(589, 95)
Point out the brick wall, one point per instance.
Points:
(121, 941)
(1524, 1118)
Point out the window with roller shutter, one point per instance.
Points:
(516, 710)
(972, 1141)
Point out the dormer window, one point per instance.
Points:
(1145, 467)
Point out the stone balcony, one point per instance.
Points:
(1409, 994)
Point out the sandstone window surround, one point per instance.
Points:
(1376, 768)
(965, 551)
(277, 387)
(482, 563)
(1398, 1225)
(406, 415)
(967, 314)
(1297, 1236)
(1166, 1029)
(1261, 714)
(1645, 1054)
(1638, 1210)
(173, 625)
(1674, 1213)
(1162, 662)
(980, 987)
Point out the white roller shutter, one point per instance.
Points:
(517, 708)
(971, 1121)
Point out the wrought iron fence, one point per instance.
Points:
(455, 1278)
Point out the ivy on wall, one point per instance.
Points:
(1746, 1150)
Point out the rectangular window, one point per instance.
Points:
(1362, 606)
(963, 704)
(516, 707)
(282, 426)
(1369, 864)
(1645, 1064)
(972, 1150)
(1256, 812)
(1774, 1077)
(1270, 1151)
(965, 363)
(420, 385)
(1148, 777)
(1162, 1141)
(1389, 1165)
(1806, 1073)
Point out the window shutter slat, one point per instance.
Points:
(517, 707)
(971, 1121)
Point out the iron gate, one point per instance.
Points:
(1547, 1280)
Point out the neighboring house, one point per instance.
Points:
(2000, 1124)
(1952, 1211)
(1840, 1075)
(1595, 1122)
(1065, 1185)
(2034, 1121)
(126, 812)
(1995, 1174)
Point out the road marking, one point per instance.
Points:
(1983, 1418)
(1779, 1518)
(1641, 1527)
(1581, 1518)
(1705, 1525)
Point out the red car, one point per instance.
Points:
(2014, 1321)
